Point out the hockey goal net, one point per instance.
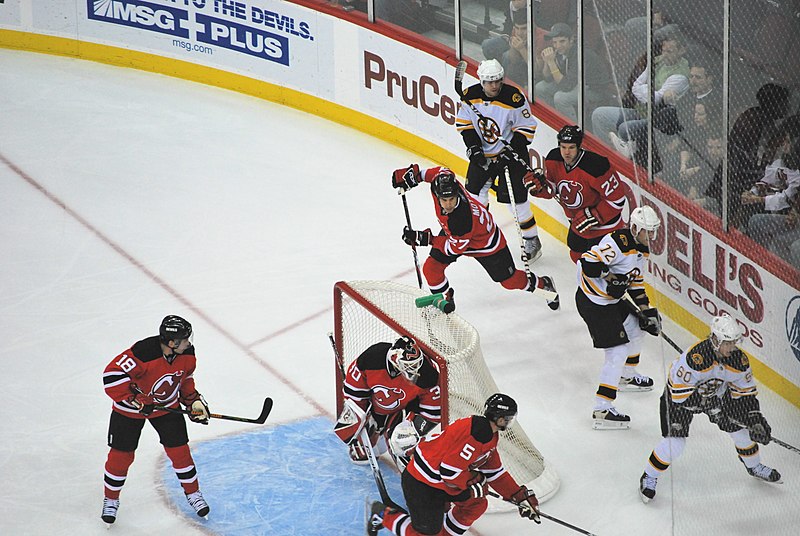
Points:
(366, 312)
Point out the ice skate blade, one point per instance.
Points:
(633, 389)
(604, 425)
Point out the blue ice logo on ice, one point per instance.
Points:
(793, 325)
(142, 15)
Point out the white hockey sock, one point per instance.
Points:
(483, 195)
(526, 220)
(667, 451)
(609, 376)
(746, 448)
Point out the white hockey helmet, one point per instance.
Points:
(405, 357)
(490, 71)
(645, 217)
(724, 328)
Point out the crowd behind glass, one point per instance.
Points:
(705, 82)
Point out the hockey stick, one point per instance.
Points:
(525, 260)
(546, 516)
(367, 444)
(783, 444)
(261, 419)
(413, 248)
(641, 316)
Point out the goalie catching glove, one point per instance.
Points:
(527, 503)
(585, 220)
(417, 238)
(406, 178)
(198, 408)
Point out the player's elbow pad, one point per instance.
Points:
(593, 269)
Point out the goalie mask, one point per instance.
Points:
(405, 358)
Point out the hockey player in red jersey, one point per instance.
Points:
(386, 385)
(586, 186)
(467, 229)
(156, 371)
(445, 483)
(712, 377)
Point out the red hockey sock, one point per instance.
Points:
(518, 281)
(183, 464)
(116, 471)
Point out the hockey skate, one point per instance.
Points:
(637, 382)
(647, 487)
(198, 503)
(764, 472)
(610, 419)
(110, 507)
(375, 518)
(531, 249)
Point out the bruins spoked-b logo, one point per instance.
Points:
(490, 130)
(793, 325)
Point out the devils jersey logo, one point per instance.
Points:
(165, 389)
(570, 193)
(387, 398)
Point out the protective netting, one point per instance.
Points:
(371, 311)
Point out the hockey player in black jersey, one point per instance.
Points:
(505, 119)
(711, 377)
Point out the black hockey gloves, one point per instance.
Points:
(417, 238)
(760, 432)
(650, 321)
(476, 156)
(616, 285)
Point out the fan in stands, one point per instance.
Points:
(467, 229)
(606, 272)
(387, 385)
(733, 407)
(445, 483)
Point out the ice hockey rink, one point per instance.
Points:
(126, 196)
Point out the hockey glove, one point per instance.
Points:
(406, 178)
(476, 156)
(417, 238)
(198, 407)
(585, 220)
(144, 403)
(535, 181)
(616, 285)
(760, 432)
(476, 484)
(650, 321)
(527, 503)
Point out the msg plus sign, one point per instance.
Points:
(231, 7)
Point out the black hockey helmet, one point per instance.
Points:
(174, 328)
(499, 405)
(445, 184)
(570, 134)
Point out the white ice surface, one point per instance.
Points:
(125, 196)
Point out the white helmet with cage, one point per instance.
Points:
(645, 217)
(405, 357)
(490, 71)
(724, 328)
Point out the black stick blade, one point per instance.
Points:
(265, 411)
